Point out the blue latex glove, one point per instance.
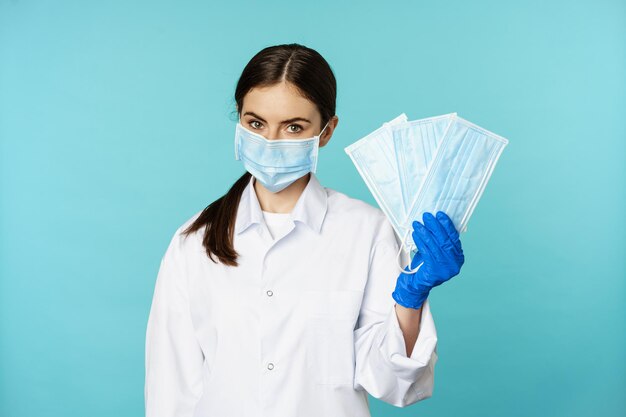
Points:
(439, 248)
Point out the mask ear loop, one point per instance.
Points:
(404, 271)
(317, 148)
(322, 131)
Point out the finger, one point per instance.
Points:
(419, 232)
(436, 228)
(419, 241)
(417, 259)
(450, 229)
(423, 250)
(428, 241)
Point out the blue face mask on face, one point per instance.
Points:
(276, 163)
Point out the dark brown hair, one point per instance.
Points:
(309, 72)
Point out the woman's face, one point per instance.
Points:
(280, 112)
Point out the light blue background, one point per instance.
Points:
(116, 125)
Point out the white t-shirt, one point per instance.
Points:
(277, 223)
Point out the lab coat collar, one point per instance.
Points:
(310, 208)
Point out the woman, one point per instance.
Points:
(280, 298)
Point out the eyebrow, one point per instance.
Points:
(294, 119)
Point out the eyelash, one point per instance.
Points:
(299, 127)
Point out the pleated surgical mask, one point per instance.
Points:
(276, 163)
(375, 159)
(415, 143)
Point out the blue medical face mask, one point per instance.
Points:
(375, 159)
(438, 163)
(276, 163)
(415, 143)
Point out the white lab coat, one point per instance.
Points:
(304, 326)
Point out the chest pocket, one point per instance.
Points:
(330, 319)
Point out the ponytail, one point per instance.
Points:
(218, 220)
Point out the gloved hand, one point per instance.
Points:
(439, 248)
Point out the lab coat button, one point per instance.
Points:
(269, 293)
(270, 366)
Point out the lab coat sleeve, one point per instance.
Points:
(382, 367)
(173, 357)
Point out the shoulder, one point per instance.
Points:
(350, 210)
(181, 241)
(343, 203)
(189, 221)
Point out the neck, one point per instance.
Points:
(284, 200)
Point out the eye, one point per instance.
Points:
(297, 131)
(251, 123)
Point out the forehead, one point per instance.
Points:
(278, 102)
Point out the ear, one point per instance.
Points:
(328, 133)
